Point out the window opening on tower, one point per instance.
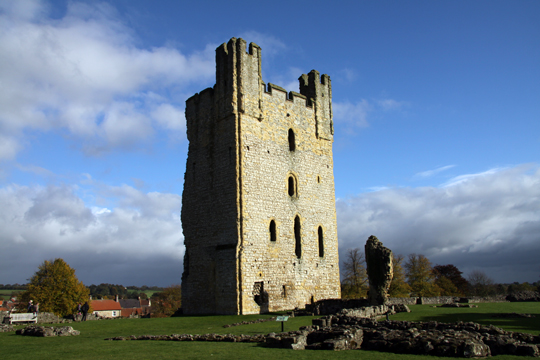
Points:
(272, 230)
(321, 242)
(292, 186)
(297, 237)
(292, 144)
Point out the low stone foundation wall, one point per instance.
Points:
(435, 300)
(6, 328)
(403, 300)
(3, 314)
(44, 331)
(49, 318)
(89, 317)
(333, 306)
(524, 296)
(486, 299)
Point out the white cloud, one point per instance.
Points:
(391, 104)
(9, 147)
(488, 221)
(346, 74)
(467, 177)
(85, 73)
(140, 233)
(433, 172)
(351, 115)
(269, 44)
(169, 117)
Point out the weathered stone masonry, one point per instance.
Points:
(258, 209)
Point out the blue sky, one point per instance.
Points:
(436, 112)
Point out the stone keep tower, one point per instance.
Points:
(258, 208)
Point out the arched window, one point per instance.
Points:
(292, 186)
(321, 242)
(272, 230)
(292, 144)
(297, 237)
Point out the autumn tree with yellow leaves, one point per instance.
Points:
(399, 286)
(420, 276)
(56, 288)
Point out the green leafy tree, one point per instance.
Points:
(446, 287)
(420, 276)
(517, 287)
(453, 274)
(398, 286)
(56, 288)
(167, 302)
(355, 280)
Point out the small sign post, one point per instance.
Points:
(282, 318)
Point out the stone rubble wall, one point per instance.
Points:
(6, 328)
(437, 300)
(333, 306)
(50, 318)
(486, 299)
(524, 296)
(403, 300)
(44, 331)
(3, 314)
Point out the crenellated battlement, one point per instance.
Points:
(240, 89)
(289, 95)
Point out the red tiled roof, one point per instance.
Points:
(103, 305)
(128, 312)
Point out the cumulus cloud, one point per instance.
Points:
(488, 221)
(85, 73)
(139, 241)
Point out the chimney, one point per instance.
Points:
(116, 298)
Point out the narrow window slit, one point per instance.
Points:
(297, 237)
(272, 230)
(292, 144)
(321, 242)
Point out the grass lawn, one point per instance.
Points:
(149, 293)
(485, 314)
(5, 294)
(91, 344)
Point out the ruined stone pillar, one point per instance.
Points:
(379, 269)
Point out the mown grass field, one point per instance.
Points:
(91, 344)
(149, 293)
(5, 294)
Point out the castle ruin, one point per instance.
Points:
(258, 207)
